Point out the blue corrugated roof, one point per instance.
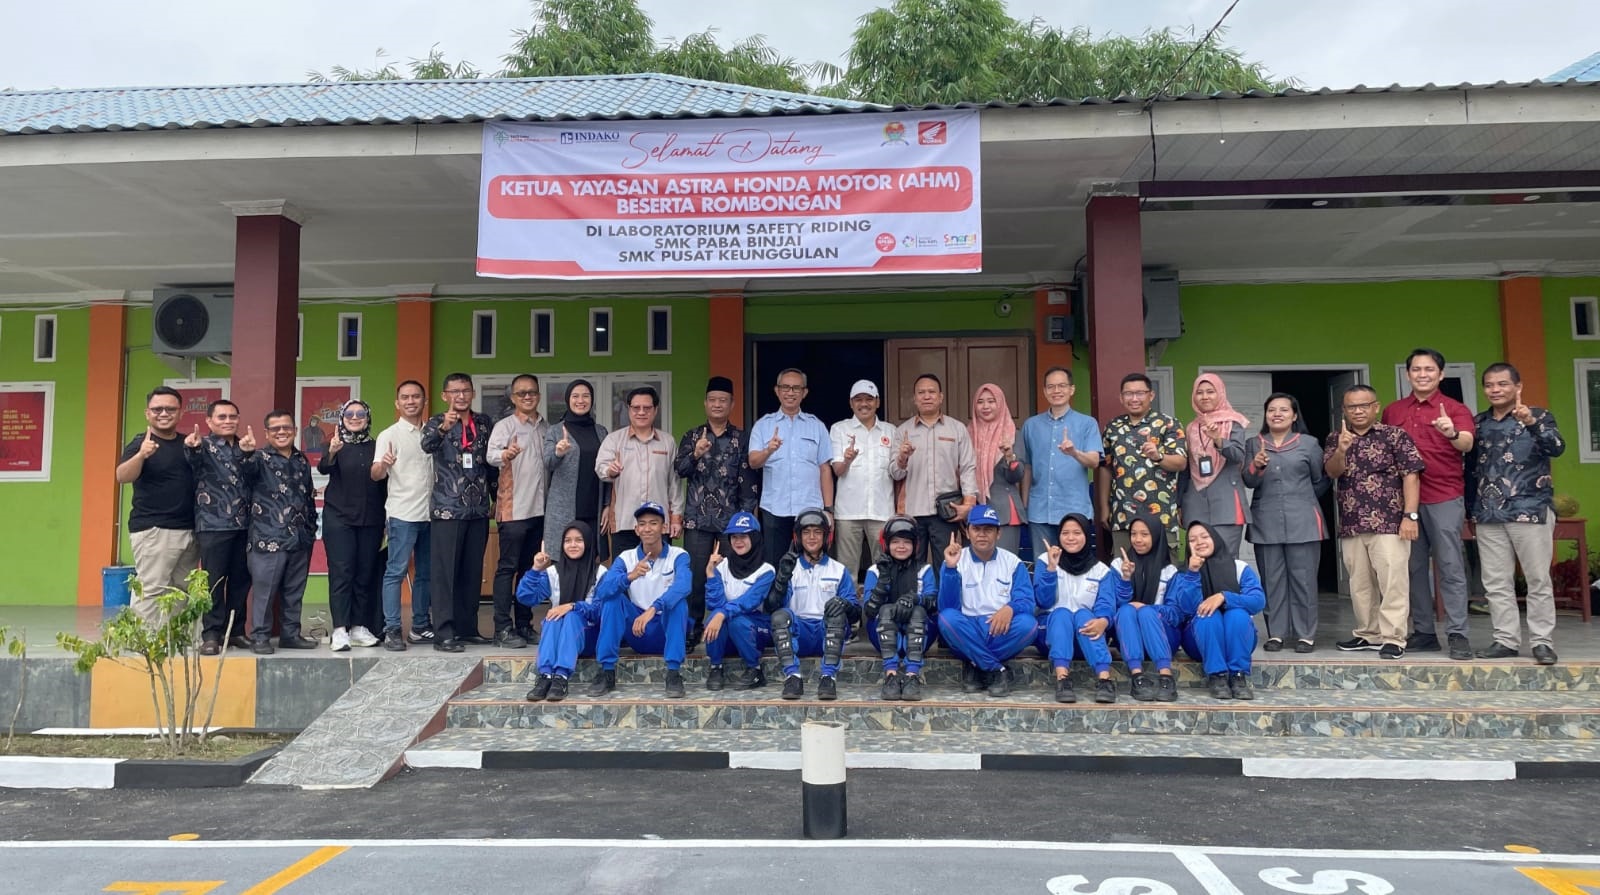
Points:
(1586, 69)
(394, 102)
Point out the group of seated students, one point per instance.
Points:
(981, 603)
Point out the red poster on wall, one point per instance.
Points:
(26, 409)
(195, 402)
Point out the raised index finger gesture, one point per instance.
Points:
(1052, 557)
(952, 553)
(194, 437)
(149, 446)
(1127, 566)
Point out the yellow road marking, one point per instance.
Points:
(194, 887)
(1563, 880)
(183, 837)
(296, 870)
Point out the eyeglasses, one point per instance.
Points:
(1361, 406)
(458, 391)
(355, 414)
(280, 428)
(225, 417)
(645, 409)
(791, 389)
(526, 393)
(1142, 393)
(163, 411)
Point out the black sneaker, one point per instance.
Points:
(1219, 686)
(716, 679)
(508, 638)
(1239, 683)
(971, 678)
(1460, 647)
(891, 687)
(541, 688)
(911, 687)
(605, 680)
(421, 635)
(527, 634)
(1166, 688)
(1419, 642)
(1498, 650)
(827, 688)
(1544, 655)
(1391, 651)
(1105, 690)
(794, 687)
(752, 678)
(1356, 643)
(1064, 691)
(1144, 689)
(393, 640)
(1000, 681)
(674, 686)
(558, 689)
(1304, 646)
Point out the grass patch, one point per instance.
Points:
(215, 748)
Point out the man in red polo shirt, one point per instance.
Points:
(1443, 431)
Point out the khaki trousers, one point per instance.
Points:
(1500, 548)
(162, 559)
(1380, 586)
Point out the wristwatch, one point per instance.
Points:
(1413, 516)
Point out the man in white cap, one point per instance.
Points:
(864, 467)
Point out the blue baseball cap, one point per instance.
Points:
(650, 506)
(983, 514)
(742, 524)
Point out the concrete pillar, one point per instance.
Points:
(1115, 302)
(102, 446)
(266, 307)
(726, 341)
(1522, 335)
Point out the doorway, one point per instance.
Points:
(831, 364)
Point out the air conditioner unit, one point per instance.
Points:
(1163, 317)
(192, 322)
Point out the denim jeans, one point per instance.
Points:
(406, 538)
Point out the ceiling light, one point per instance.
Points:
(1318, 203)
(1532, 197)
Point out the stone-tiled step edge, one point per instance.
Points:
(1381, 757)
(1276, 673)
(1366, 713)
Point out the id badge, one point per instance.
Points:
(466, 461)
(1205, 466)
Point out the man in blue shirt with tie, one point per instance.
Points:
(793, 451)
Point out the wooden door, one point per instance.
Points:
(962, 364)
(904, 361)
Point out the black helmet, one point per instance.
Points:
(812, 516)
(899, 527)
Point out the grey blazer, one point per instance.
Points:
(1223, 502)
(562, 493)
(1285, 503)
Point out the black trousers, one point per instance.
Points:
(698, 543)
(457, 554)
(519, 541)
(622, 540)
(777, 535)
(934, 533)
(223, 556)
(352, 562)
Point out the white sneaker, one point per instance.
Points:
(341, 640)
(360, 636)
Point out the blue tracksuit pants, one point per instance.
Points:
(809, 635)
(663, 637)
(1222, 641)
(929, 637)
(1062, 637)
(969, 638)
(562, 641)
(1142, 634)
(747, 634)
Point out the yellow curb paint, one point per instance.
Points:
(1522, 849)
(296, 870)
(183, 837)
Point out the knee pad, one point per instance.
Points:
(888, 633)
(917, 634)
(833, 640)
(783, 636)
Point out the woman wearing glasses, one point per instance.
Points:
(352, 526)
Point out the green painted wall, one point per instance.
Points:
(40, 548)
(1581, 480)
(931, 312)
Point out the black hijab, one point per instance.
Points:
(1079, 563)
(1147, 566)
(579, 420)
(744, 566)
(1219, 575)
(576, 575)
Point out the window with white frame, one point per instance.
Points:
(44, 338)
(349, 337)
(659, 331)
(300, 337)
(1460, 381)
(1585, 317)
(483, 333)
(1587, 372)
(542, 330)
(1161, 384)
(610, 395)
(600, 332)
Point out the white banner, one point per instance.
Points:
(835, 194)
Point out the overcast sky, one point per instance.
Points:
(1334, 43)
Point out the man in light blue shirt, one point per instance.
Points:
(1059, 447)
(793, 451)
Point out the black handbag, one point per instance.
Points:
(946, 505)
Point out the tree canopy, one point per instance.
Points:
(912, 51)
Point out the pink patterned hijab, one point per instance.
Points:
(1201, 444)
(987, 438)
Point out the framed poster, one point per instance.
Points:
(27, 413)
(317, 401)
(1587, 371)
(197, 397)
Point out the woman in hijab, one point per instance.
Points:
(1214, 492)
(1286, 524)
(570, 447)
(900, 614)
(1142, 629)
(1212, 602)
(994, 435)
(572, 625)
(352, 527)
(1068, 588)
(737, 580)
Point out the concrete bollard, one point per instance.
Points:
(822, 788)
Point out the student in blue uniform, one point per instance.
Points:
(985, 604)
(573, 623)
(813, 604)
(1142, 630)
(737, 580)
(644, 602)
(1070, 583)
(901, 592)
(1212, 603)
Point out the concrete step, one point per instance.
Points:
(1330, 670)
(1297, 757)
(1275, 712)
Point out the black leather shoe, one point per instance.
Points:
(1219, 686)
(239, 641)
(1498, 650)
(827, 688)
(262, 647)
(716, 679)
(558, 689)
(475, 639)
(1273, 644)
(1544, 655)
(509, 639)
(674, 685)
(448, 645)
(527, 634)
(1460, 647)
(1239, 683)
(296, 642)
(1304, 646)
(1422, 643)
(605, 680)
(210, 647)
(541, 688)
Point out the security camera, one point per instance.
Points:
(1002, 309)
